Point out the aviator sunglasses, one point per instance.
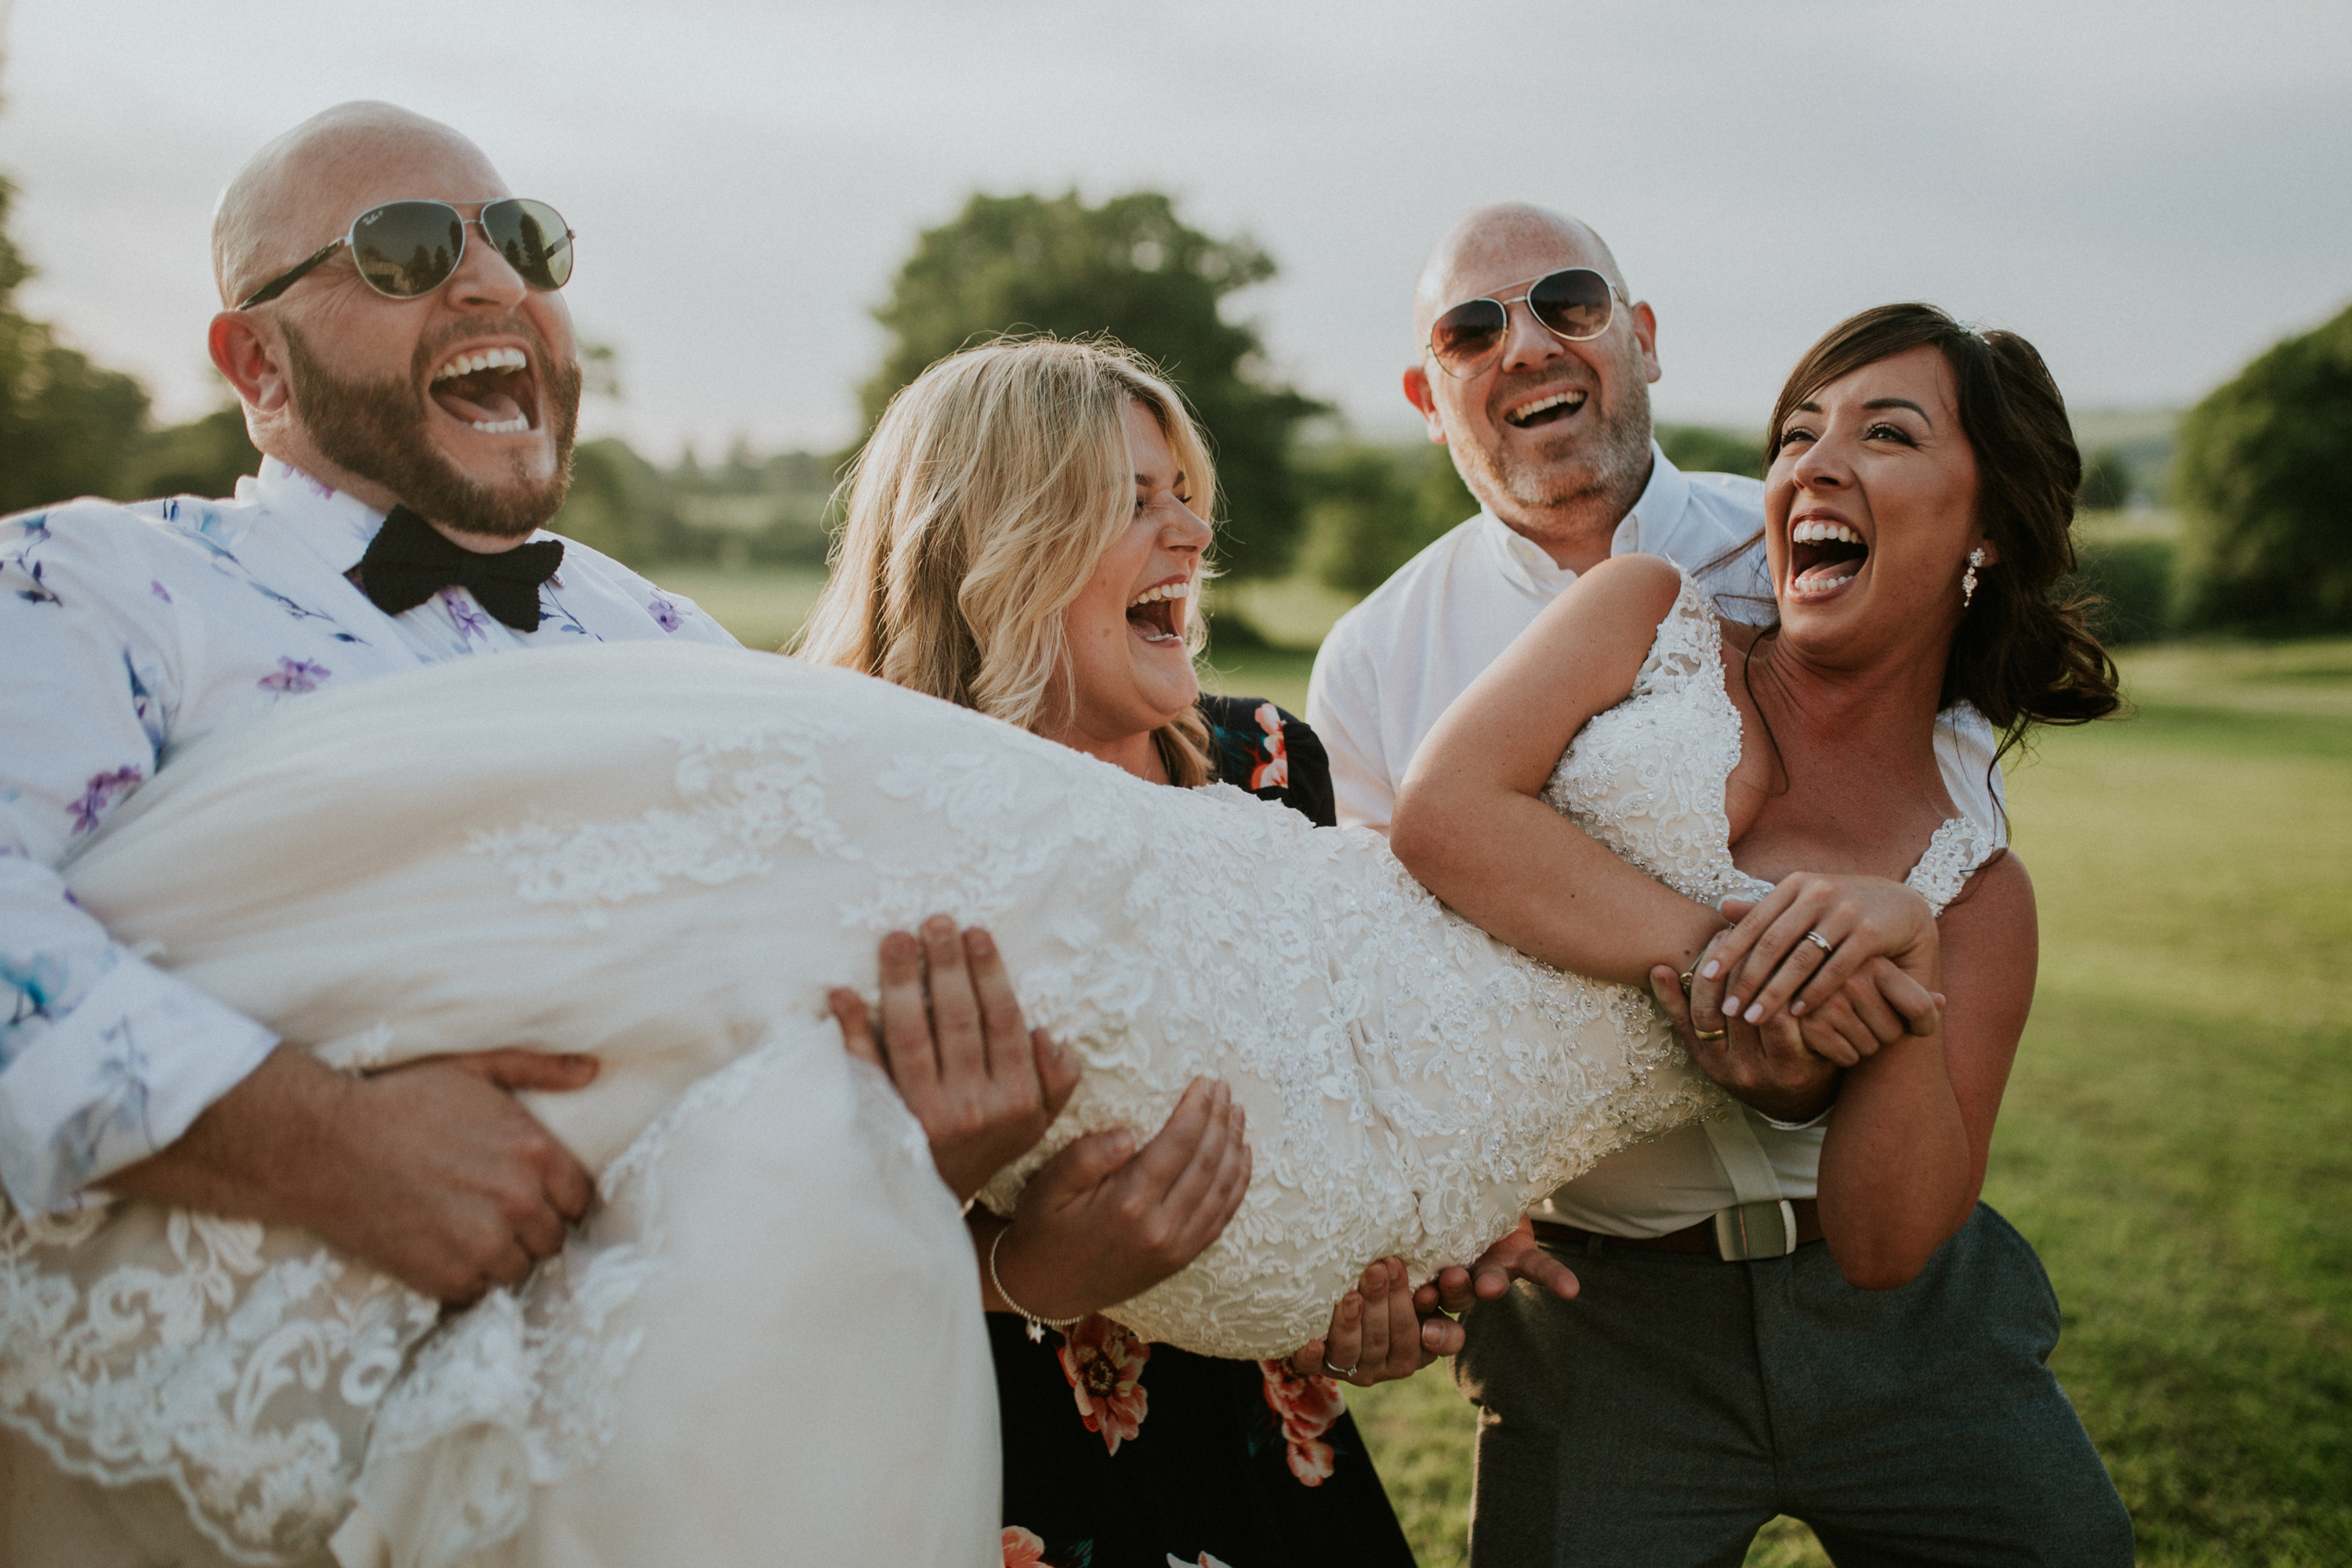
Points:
(405, 250)
(1573, 305)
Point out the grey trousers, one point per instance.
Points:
(1679, 1402)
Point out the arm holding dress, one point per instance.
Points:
(112, 1070)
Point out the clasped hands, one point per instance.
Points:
(1817, 977)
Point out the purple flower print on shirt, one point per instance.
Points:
(103, 790)
(471, 621)
(664, 614)
(294, 677)
(160, 591)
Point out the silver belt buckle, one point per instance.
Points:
(1756, 1230)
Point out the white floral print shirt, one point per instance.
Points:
(127, 632)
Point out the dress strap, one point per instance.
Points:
(1687, 644)
(1951, 857)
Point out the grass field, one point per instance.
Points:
(2177, 1137)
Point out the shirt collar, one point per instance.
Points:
(1650, 525)
(1657, 517)
(334, 526)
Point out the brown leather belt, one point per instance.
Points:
(1700, 1237)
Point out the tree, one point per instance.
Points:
(66, 426)
(1703, 449)
(1132, 270)
(1372, 509)
(205, 457)
(2106, 481)
(2266, 495)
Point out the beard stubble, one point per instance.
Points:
(1587, 483)
(376, 429)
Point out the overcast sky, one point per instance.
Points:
(2149, 191)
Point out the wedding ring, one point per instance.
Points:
(1684, 977)
(1331, 1370)
(1708, 1033)
(1818, 939)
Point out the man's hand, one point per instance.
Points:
(1771, 1068)
(1517, 1256)
(985, 1087)
(1375, 1333)
(1095, 1226)
(430, 1172)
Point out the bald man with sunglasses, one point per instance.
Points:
(1710, 1370)
(393, 323)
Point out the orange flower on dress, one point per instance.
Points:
(1023, 1549)
(1275, 772)
(1306, 1407)
(1104, 1362)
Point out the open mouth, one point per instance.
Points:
(1158, 613)
(1548, 410)
(1823, 555)
(490, 390)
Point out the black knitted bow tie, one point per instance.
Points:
(410, 561)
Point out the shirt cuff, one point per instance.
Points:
(121, 1076)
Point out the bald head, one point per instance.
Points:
(1491, 240)
(302, 190)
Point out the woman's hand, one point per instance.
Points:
(1375, 1333)
(985, 1087)
(1094, 1226)
(1798, 947)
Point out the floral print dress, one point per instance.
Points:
(1123, 1454)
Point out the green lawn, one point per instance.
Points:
(2177, 1137)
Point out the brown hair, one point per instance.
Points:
(977, 511)
(2024, 653)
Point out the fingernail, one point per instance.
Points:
(978, 945)
(1756, 1014)
(1731, 1004)
(1795, 1008)
(1707, 970)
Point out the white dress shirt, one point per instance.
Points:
(128, 631)
(1396, 662)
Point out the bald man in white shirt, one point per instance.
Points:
(1716, 1369)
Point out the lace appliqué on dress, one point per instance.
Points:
(246, 1373)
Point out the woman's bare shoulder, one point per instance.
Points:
(1620, 600)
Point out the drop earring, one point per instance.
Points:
(1968, 577)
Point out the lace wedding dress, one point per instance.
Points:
(766, 1341)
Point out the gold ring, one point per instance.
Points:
(1709, 1034)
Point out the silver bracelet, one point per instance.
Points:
(1037, 1325)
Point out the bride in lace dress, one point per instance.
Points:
(684, 848)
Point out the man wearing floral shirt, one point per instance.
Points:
(130, 632)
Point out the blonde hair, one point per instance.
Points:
(992, 485)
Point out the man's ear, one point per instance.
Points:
(1645, 337)
(1417, 393)
(251, 352)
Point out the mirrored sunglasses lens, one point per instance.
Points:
(531, 236)
(408, 248)
(1467, 334)
(1574, 303)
